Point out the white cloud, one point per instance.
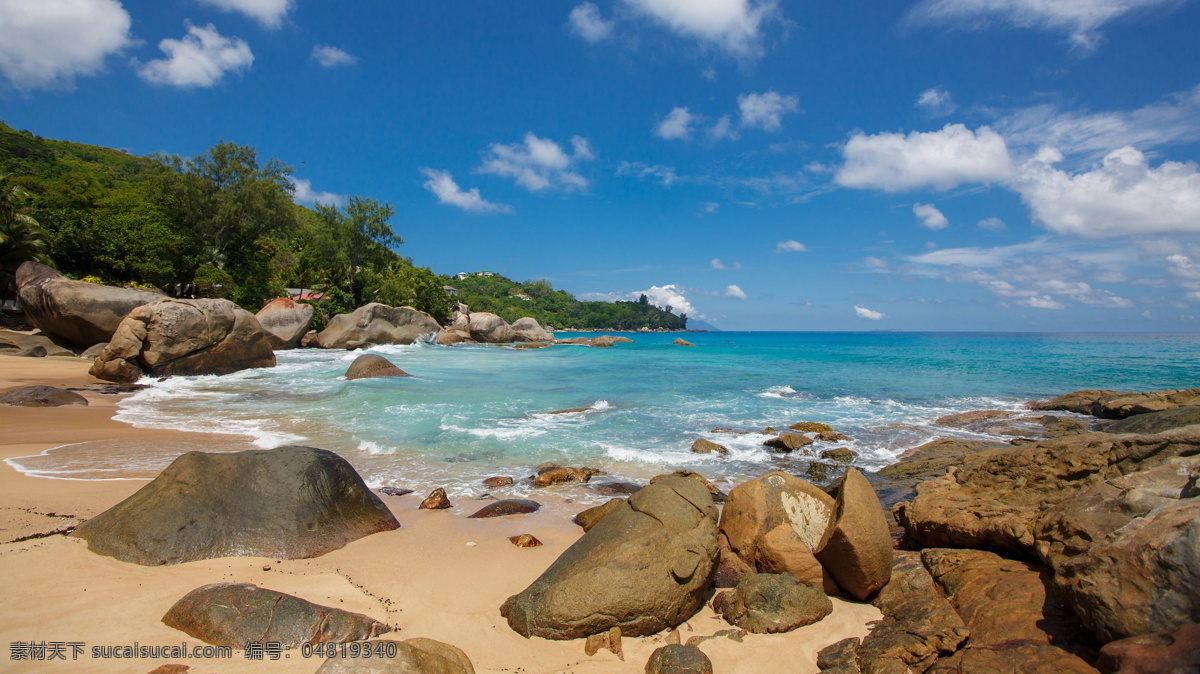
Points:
(735, 292)
(936, 102)
(992, 224)
(539, 163)
(332, 57)
(716, 263)
(664, 174)
(930, 217)
(45, 44)
(938, 160)
(303, 193)
(733, 25)
(269, 13)
(200, 59)
(766, 110)
(722, 129)
(790, 247)
(586, 22)
(668, 296)
(1042, 302)
(1079, 19)
(1124, 195)
(863, 312)
(676, 126)
(710, 206)
(442, 184)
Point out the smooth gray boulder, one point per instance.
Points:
(75, 313)
(40, 396)
(285, 503)
(371, 366)
(184, 337)
(30, 344)
(285, 322)
(234, 614)
(376, 323)
(529, 330)
(490, 328)
(645, 567)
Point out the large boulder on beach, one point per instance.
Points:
(529, 330)
(285, 322)
(286, 503)
(184, 337)
(30, 344)
(645, 567)
(371, 366)
(234, 614)
(858, 548)
(412, 656)
(375, 324)
(754, 508)
(75, 313)
(40, 396)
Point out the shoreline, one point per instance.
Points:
(422, 578)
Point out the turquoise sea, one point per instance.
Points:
(471, 412)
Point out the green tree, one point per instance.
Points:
(21, 237)
(362, 238)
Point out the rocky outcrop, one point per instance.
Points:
(1001, 422)
(898, 481)
(285, 503)
(1157, 422)
(413, 656)
(75, 313)
(371, 366)
(600, 341)
(529, 330)
(285, 322)
(645, 567)
(375, 324)
(1119, 405)
(234, 614)
(40, 396)
(754, 508)
(858, 548)
(184, 337)
(769, 603)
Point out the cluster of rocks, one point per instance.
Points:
(480, 327)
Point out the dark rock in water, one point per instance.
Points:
(789, 442)
(30, 345)
(731, 431)
(1157, 422)
(857, 551)
(573, 410)
(811, 427)
(676, 659)
(413, 656)
(285, 503)
(525, 541)
(769, 603)
(645, 567)
(1177, 650)
(717, 494)
(610, 640)
(702, 446)
(374, 324)
(184, 337)
(565, 474)
(285, 322)
(508, 506)
(234, 614)
(543, 467)
(493, 482)
(75, 313)
(40, 396)
(437, 500)
(616, 488)
(840, 454)
(831, 436)
(370, 366)
(1011, 613)
(682, 342)
(588, 518)
(396, 491)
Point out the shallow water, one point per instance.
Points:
(470, 412)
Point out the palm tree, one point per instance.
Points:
(21, 237)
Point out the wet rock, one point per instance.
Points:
(1157, 422)
(858, 549)
(818, 471)
(588, 518)
(371, 366)
(811, 427)
(285, 322)
(610, 641)
(780, 550)
(1177, 650)
(702, 446)
(831, 436)
(437, 500)
(840, 454)
(494, 482)
(395, 491)
(1079, 402)
(769, 603)
(525, 541)
(75, 313)
(789, 442)
(508, 506)
(756, 507)
(717, 494)
(573, 410)
(234, 614)
(676, 659)
(565, 474)
(968, 419)
(645, 567)
(40, 396)
(413, 656)
(284, 503)
(682, 342)
(375, 324)
(731, 431)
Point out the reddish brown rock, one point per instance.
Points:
(437, 500)
(508, 506)
(565, 474)
(493, 482)
(831, 436)
(780, 550)
(702, 446)
(756, 507)
(1177, 650)
(371, 366)
(682, 342)
(610, 641)
(966, 419)
(588, 518)
(788, 442)
(858, 549)
(717, 494)
(811, 427)
(1079, 402)
(840, 454)
(525, 541)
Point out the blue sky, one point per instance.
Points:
(918, 165)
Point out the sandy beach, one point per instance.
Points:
(423, 579)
